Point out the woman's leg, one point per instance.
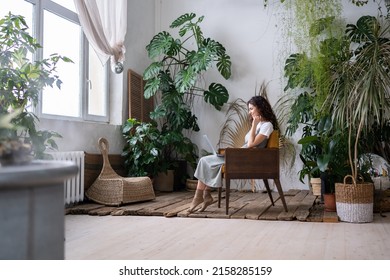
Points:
(198, 197)
(207, 199)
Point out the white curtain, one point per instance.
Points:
(104, 23)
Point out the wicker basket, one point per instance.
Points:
(355, 202)
(112, 189)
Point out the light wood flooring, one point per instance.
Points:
(160, 238)
(129, 236)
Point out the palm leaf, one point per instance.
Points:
(236, 125)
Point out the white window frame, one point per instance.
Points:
(38, 22)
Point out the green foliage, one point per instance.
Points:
(175, 76)
(182, 65)
(21, 81)
(148, 150)
(351, 89)
(359, 95)
(142, 151)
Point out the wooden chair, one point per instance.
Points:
(253, 163)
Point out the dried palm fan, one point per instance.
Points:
(236, 125)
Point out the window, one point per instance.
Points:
(84, 92)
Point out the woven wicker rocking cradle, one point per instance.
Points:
(112, 189)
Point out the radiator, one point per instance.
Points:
(74, 187)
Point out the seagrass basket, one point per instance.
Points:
(355, 201)
(112, 189)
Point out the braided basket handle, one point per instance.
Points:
(349, 176)
(359, 177)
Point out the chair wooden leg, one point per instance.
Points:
(269, 191)
(227, 193)
(281, 194)
(219, 197)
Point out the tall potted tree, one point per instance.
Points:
(175, 77)
(359, 98)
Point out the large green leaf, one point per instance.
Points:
(160, 44)
(182, 19)
(151, 87)
(200, 60)
(185, 79)
(366, 29)
(224, 66)
(217, 95)
(153, 70)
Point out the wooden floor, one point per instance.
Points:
(143, 231)
(159, 238)
(302, 206)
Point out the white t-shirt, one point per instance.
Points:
(264, 128)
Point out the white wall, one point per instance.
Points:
(252, 37)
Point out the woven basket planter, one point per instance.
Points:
(355, 202)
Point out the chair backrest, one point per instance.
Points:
(273, 140)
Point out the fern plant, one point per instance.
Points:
(175, 76)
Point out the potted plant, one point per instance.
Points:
(143, 149)
(359, 97)
(175, 76)
(145, 153)
(21, 81)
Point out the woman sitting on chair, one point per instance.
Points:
(209, 169)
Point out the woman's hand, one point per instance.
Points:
(256, 120)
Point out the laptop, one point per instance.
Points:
(211, 147)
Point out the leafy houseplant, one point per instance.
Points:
(21, 81)
(143, 148)
(175, 76)
(359, 99)
(359, 95)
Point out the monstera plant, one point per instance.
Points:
(175, 76)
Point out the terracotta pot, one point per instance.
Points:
(330, 202)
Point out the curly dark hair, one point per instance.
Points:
(265, 108)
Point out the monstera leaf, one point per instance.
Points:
(217, 95)
(163, 43)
